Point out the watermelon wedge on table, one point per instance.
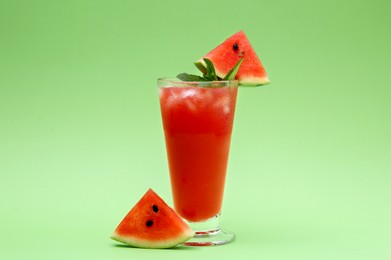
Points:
(151, 223)
(227, 54)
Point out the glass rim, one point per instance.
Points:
(176, 81)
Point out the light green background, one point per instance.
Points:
(81, 137)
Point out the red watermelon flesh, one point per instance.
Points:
(151, 223)
(226, 55)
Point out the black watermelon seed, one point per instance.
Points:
(235, 47)
(155, 208)
(149, 223)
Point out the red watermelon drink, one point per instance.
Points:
(197, 120)
(198, 114)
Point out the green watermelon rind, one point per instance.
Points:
(244, 80)
(142, 243)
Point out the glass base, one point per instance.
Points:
(209, 233)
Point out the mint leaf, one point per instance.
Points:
(210, 70)
(190, 77)
(232, 73)
(199, 66)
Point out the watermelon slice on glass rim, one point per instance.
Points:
(226, 55)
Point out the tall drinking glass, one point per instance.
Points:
(197, 120)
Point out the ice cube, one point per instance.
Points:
(192, 107)
(223, 103)
(226, 109)
(188, 93)
(172, 97)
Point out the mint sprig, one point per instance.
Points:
(190, 77)
(210, 73)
